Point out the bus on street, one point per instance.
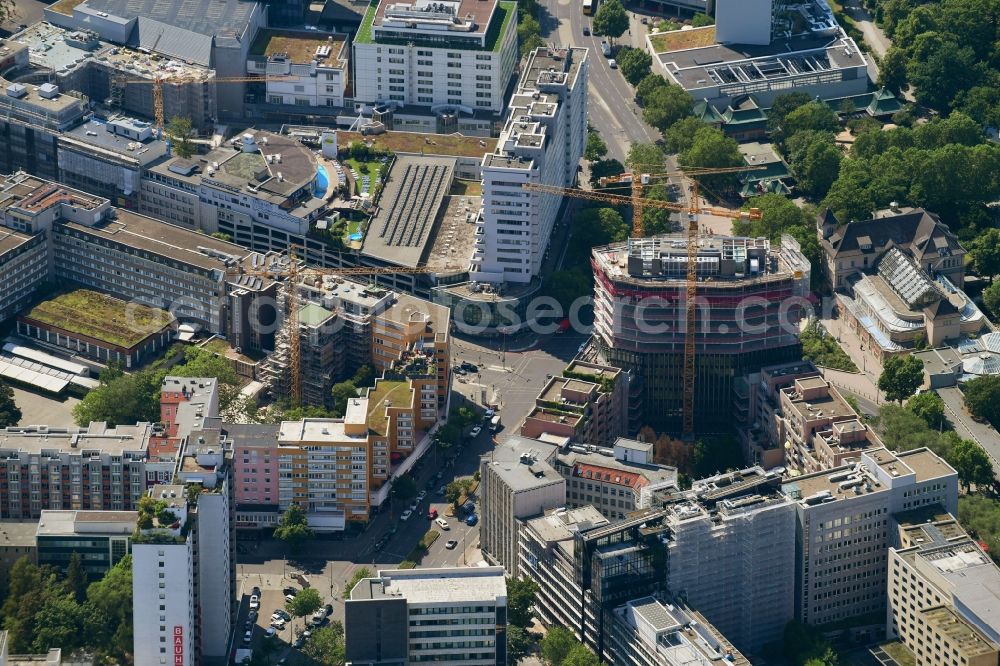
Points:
(588, 7)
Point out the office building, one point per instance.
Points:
(410, 616)
(516, 482)
(541, 143)
(763, 48)
(737, 517)
(615, 481)
(450, 55)
(821, 431)
(547, 556)
(312, 67)
(51, 658)
(17, 540)
(751, 298)
(943, 595)
(589, 404)
(135, 258)
(92, 468)
(24, 265)
(757, 410)
(846, 524)
(215, 35)
(100, 538)
(184, 569)
(666, 632)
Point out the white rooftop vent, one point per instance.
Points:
(16, 90)
(48, 90)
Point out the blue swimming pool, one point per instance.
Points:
(321, 183)
(356, 237)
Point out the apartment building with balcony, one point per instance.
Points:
(453, 55)
(846, 524)
(92, 468)
(308, 68)
(541, 144)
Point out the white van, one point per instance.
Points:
(442, 523)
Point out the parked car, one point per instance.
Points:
(278, 623)
(283, 614)
(421, 495)
(586, 31)
(645, 20)
(248, 636)
(469, 367)
(414, 504)
(442, 523)
(252, 616)
(328, 609)
(489, 414)
(458, 370)
(299, 642)
(472, 520)
(451, 544)
(254, 602)
(289, 597)
(271, 632)
(432, 514)
(605, 48)
(290, 590)
(475, 431)
(256, 590)
(612, 63)
(406, 515)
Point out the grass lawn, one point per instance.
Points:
(900, 653)
(396, 392)
(457, 145)
(467, 188)
(101, 317)
(678, 40)
(373, 169)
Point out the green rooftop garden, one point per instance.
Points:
(504, 14)
(101, 317)
(396, 392)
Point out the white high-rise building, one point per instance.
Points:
(541, 143)
(183, 564)
(455, 54)
(846, 524)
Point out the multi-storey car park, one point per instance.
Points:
(751, 296)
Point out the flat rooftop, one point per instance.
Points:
(167, 240)
(95, 133)
(385, 394)
(521, 476)
(18, 533)
(946, 621)
(101, 317)
(479, 12)
(454, 236)
(553, 390)
(410, 207)
(681, 40)
(829, 406)
(11, 240)
(437, 586)
(97, 437)
(317, 432)
(64, 523)
(298, 47)
(206, 17)
(561, 525)
(445, 145)
(719, 65)
(968, 575)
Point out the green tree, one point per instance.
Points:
(611, 20)
(991, 298)
(815, 160)
(520, 599)
(665, 105)
(76, 578)
(605, 168)
(581, 655)
(567, 286)
(293, 528)
(557, 644)
(10, 413)
(199, 362)
(123, 400)
(680, 135)
(985, 254)
(452, 492)
(109, 611)
(972, 464)
(901, 377)
(980, 516)
(712, 148)
(646, 157)
(781, 107)
(941, 70)
(803, 643)
(656, 221)
(635, 65)
(529, 34)
(180, 131)
(342, 393)
(596, 147)
(814, 116)
(518, 644)
(700, 20)
(359, 574)
(982, 398)
(649, 84)
(929, 406)
(326, 645)
(404, 488)
(892, 69)
(305, 602)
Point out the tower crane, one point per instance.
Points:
(292, 273)
(693, 209)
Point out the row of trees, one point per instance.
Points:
(43, 609)
(10, 413)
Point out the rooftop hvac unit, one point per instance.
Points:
(48, 90)
(16, 90)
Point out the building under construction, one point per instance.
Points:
(751, 297)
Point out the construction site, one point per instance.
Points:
(750, 298)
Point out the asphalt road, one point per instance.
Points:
(611, 105)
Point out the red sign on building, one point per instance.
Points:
(178, 645)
